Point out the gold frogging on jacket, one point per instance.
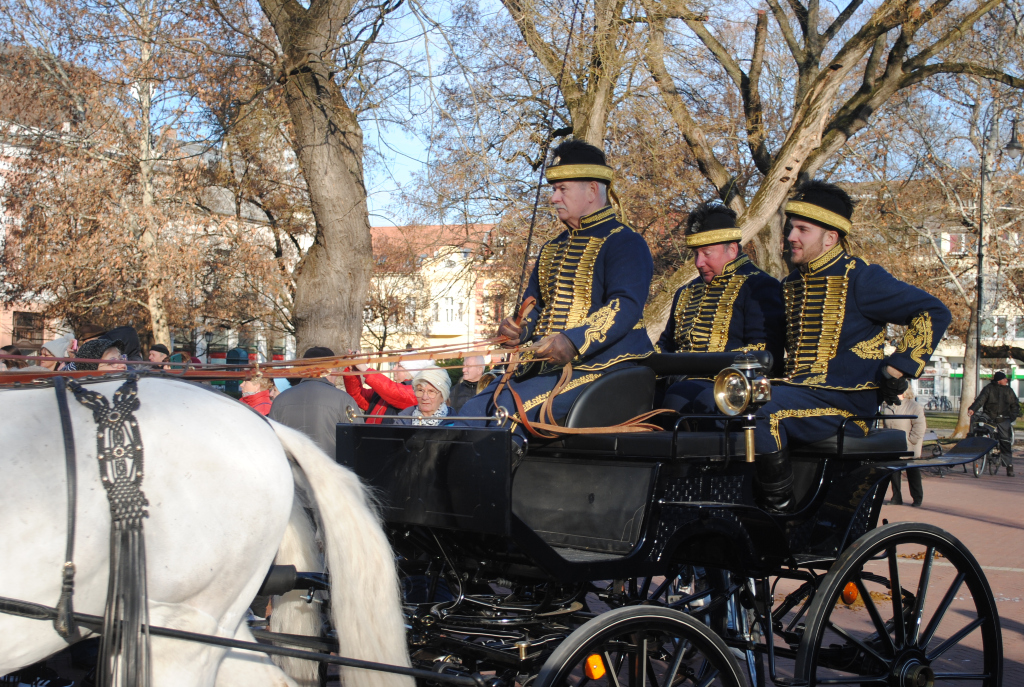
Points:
(565, 271)
(704, 311)
(821, 301)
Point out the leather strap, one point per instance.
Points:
(64, 621)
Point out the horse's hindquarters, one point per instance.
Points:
(219, 489)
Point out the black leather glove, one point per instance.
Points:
(892, 388)
(509, 329)
(555, 347)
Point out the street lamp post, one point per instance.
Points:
(1014, 150)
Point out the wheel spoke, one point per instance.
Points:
(955, 639)
(922, 593)
(896, 592)
(940, 612)
(962, 676)
(850, 638)
(869, 604)
(640, 664)
(709, 679)
(677, 661)
(613, 668)
(651, 673)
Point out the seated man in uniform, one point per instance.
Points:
(590, 282)
(731, 306)
(837, 308)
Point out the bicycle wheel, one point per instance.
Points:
(979, 465)
(994, 463)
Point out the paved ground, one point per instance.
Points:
(987, 515)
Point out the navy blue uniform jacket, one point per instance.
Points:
(837, 307)
(740, 309)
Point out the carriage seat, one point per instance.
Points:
(613, 398)
(881, 441)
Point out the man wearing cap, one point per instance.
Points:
(590, 283)
(837, 307)
(315, 406)
(731, 306)
(159, 353)
(998, 401)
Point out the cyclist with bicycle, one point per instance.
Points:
(998, 401)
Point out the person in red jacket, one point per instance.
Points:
(385, 396)
(258, 394)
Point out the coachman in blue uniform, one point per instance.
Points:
(731, 306)
(837, 308)
(590, 282)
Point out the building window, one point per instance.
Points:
(1000, 327)
(988, 329)
(435, 314)
(1018, 328)
(28, 331)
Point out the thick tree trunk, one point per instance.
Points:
(332, 278)
(968, 388)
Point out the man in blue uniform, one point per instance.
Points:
(731, 306)
(590, 282)
(837, 308)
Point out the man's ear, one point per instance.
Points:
(831, 238)
(733, 250)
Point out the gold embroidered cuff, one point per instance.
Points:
(816, 212)
(570, 172)
(706, 238)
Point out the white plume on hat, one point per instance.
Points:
(435, 377)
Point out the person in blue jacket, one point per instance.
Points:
(731, 306)
(590, 282)
(837, 308)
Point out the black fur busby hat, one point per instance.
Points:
(579, 161)
(822, 203)
(709, 223)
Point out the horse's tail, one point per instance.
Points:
(365, 598)
(292, 615)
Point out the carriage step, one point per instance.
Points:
(583, 556)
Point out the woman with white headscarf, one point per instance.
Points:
(432, 386)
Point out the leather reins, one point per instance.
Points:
(547, 427)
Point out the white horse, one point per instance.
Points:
(222, 504)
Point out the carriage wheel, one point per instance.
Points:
(993, 463)
(641, 646)
(907, 605)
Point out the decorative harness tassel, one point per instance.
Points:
(124, 659)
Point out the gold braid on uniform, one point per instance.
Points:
(704, 312)
(706, 238)
(600, 321)
(918, 339)
(792, 413)
(819, 214)
(871, 349)
(812, 299)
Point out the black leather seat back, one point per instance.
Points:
(614, 398)
(585, 504)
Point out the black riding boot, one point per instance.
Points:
(775, 481)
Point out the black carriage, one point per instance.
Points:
(648, 558)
